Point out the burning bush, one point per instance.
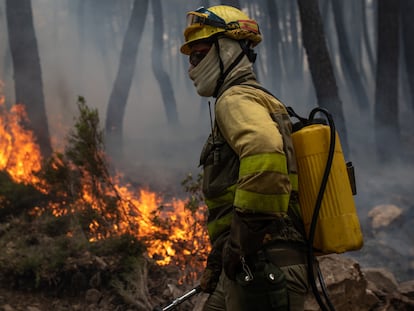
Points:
(79, 215)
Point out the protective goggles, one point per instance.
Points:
(202, 16)
(197, 56)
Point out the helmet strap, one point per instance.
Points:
(217, 46)
(223, 74)
(251, 55)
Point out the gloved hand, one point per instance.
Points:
(211, 274)
(231, 261)
(247, 232)
(209, 280)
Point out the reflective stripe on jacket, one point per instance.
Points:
(249, 163)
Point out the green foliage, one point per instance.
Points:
(85, 144)
(57, 171)
(54, 226)
(30, 254)
(124, 244)
(44, 249)
(55, 241)
(194, 189)
(16, 198)
(83, 166)
(42, 253)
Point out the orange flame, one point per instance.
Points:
(19, 154)
(178, 236)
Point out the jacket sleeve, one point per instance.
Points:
(246, 124)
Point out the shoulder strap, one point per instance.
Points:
(258, 86)
(289, 109)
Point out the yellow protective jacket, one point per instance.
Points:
(250, 170)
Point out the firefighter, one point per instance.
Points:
(258, 256)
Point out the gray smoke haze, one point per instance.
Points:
(158, 155)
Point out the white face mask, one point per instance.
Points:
(206, 73)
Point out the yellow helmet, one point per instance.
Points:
(221, 19)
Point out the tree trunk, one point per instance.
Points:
(205, 3)
(120, 91)
(386, 94)
(293, 50)
(27, 70)
(351, 72)
(369, 70)
(235, 3)
(157, 65)
(273, 49)
(407, 12)
(320, 65)
(101, 30)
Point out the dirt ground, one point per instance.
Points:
(37, 301)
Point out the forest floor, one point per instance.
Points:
(11, 300)
(14, 300)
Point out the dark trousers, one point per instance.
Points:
(231, 296)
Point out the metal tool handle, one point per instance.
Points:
(180, 299)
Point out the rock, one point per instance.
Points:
(32, 308)
(407, 289)
(345, 283)
(388, 241)
(384, 215)
(93, 296)
(398, 302)
(351, 288)
(380, 280)
(7, 307)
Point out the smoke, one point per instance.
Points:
(79, 60)
(80, 56)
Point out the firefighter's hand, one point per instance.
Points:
(231, 261)
(211, 274)
(209, 280)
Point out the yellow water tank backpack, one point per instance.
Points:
(326, 186)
